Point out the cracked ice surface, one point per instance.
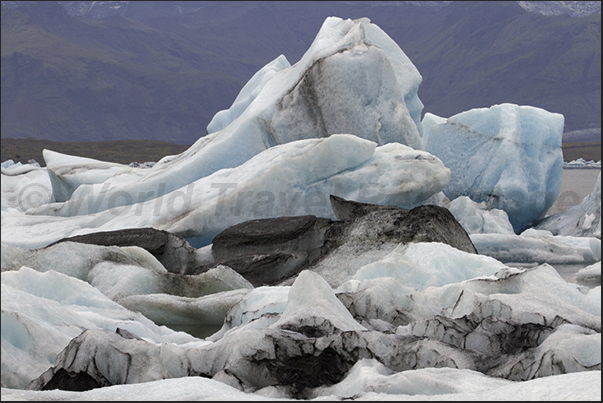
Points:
(464, 326)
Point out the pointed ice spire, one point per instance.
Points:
(314, 309)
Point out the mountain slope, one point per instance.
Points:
(494, 53)
(64, 79)
(137, 75)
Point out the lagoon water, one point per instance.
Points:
(569, 271)
(576, 184)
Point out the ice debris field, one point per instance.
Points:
(340, 246)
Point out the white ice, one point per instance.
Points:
(286, 180)
(77, 259)
(311, 301)
(370, 380)
(581, 163)
(477, 218)
(247, 94)
(42, 312)
(590, 273)
(429, 264)
(538, 246)
(430, 120)
(507, 155)
(270, 155)
(24, 187)
(257, 303)
(367, 381)
(360, 83)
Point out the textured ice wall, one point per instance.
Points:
(507, 155)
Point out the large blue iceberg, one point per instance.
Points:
(507, 155)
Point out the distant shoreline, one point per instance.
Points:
(587, 151)
(584, 167)
(120, 151)
(127, 151)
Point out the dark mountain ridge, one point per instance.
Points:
(134, 75)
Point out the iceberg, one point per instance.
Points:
(312, 305)
(581, 163)
(429, 264)
(24, 187)
(354, 79)
(396, 304)
(507, 155)
(477, 218)
(68, 173)
(247, 94)
(463, 326)
(42, 312)
(590, 273)
(430, 120)
(291, 179)
(368, 382)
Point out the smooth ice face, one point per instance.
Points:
(69, 173)
(76, 259)
(312, 303)
(538, 246)
(368, 380)
(430, 120)
(259, 302)
(354, 91)
(590, 273)
(353, 79)
(507, 155)
(429, 264)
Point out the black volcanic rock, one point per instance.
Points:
(176, 255)
(264, 269)
(367, 222)
(263, 232)
(270, 251)
(267, 251)
(431, 224)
